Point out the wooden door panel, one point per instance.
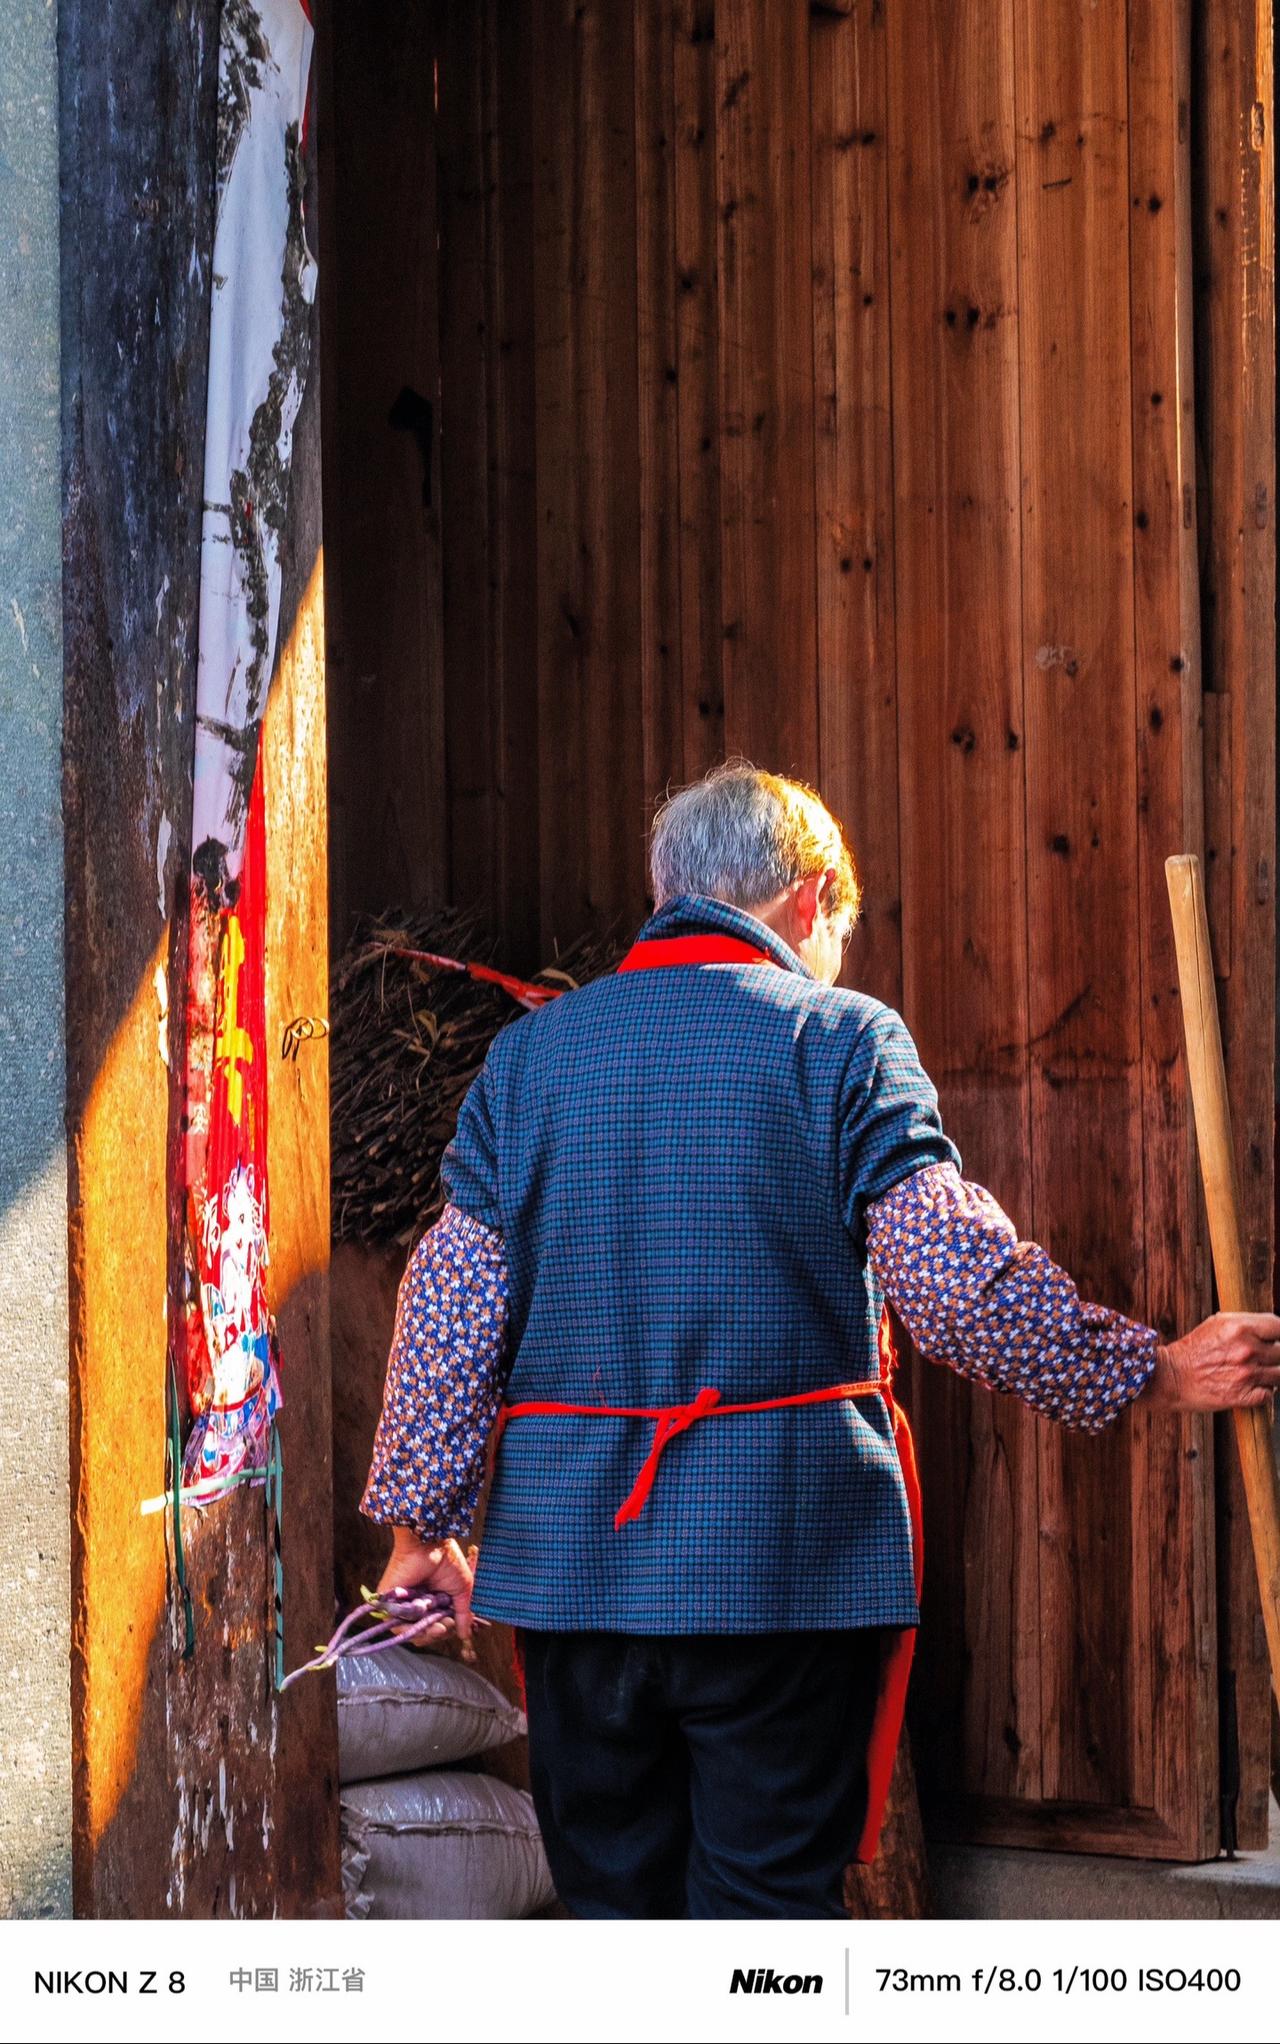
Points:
(962, 777)
(839, 409)
(1067, 1662)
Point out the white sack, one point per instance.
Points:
(441, 1845)
(399, 1711)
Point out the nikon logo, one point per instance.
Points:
(763, 1980)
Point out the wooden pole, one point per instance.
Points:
(1222, 1197)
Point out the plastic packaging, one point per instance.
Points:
(441, 1845)
(399, 1711)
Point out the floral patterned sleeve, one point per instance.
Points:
(444, 1381)
(999, 1310)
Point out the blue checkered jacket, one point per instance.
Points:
(679, 1161)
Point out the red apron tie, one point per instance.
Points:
(677, 1419)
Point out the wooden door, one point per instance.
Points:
(840, 408)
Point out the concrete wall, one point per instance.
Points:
(35, 1722)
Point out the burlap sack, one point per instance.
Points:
(441, 1845)
(399, 1711)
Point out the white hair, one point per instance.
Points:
(742, 835)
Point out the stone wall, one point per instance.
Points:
(35, 1729)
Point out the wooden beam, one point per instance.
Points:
(698, 385)
(383, 486)
(1172, 1460)
(1085, 1024)
(658, 354)
(195, 1795)
(770, 646)
(963, 741)
(853, 476)
(590, 745)
(1232, 117)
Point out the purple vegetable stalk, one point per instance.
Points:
(372, 1626)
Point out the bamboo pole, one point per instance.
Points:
(1212, 1109)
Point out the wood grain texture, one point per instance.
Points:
(511, 488)
(698, 386)
(129, 661)
(962, 748)
(488, 592)
(384, 482)
(854, 476)
(590, 746)
(469, 668)
(1236, 1291)
(268, 1765)
(186, 1801)
(1233, 116)
(294, 766)
(1081, 842)
(662, 691)
(1172, 1481)
(771, 291)
(768, 587)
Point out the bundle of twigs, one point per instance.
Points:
(406, 1040)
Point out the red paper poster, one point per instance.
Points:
(263, 284)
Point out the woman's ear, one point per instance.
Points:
(806, 898)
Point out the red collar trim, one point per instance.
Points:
(697, 950)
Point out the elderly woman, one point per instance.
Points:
(678, 1201)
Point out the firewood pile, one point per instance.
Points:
(406, 1040)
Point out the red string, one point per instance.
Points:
(653, 951)
(526, 991)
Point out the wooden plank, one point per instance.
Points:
(469, 680)
(390, 842)
(186, 1801)
(1233, 144)
(273, 1844)
(657, 291)
(962, 729)
(1058, 1827)
(513, 575)
(857, 698)
(131, 550)
(589, 739)
(295, 769)
(488, 526)
(325, 106)
(1078, 652)
(1172, 1481)
(698, 385)
(768, 566)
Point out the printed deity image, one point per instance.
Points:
(239, 1337)
(233, 1381)
(263, 286)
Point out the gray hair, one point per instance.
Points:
(742, 835)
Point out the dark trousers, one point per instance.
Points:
(714, 1775)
